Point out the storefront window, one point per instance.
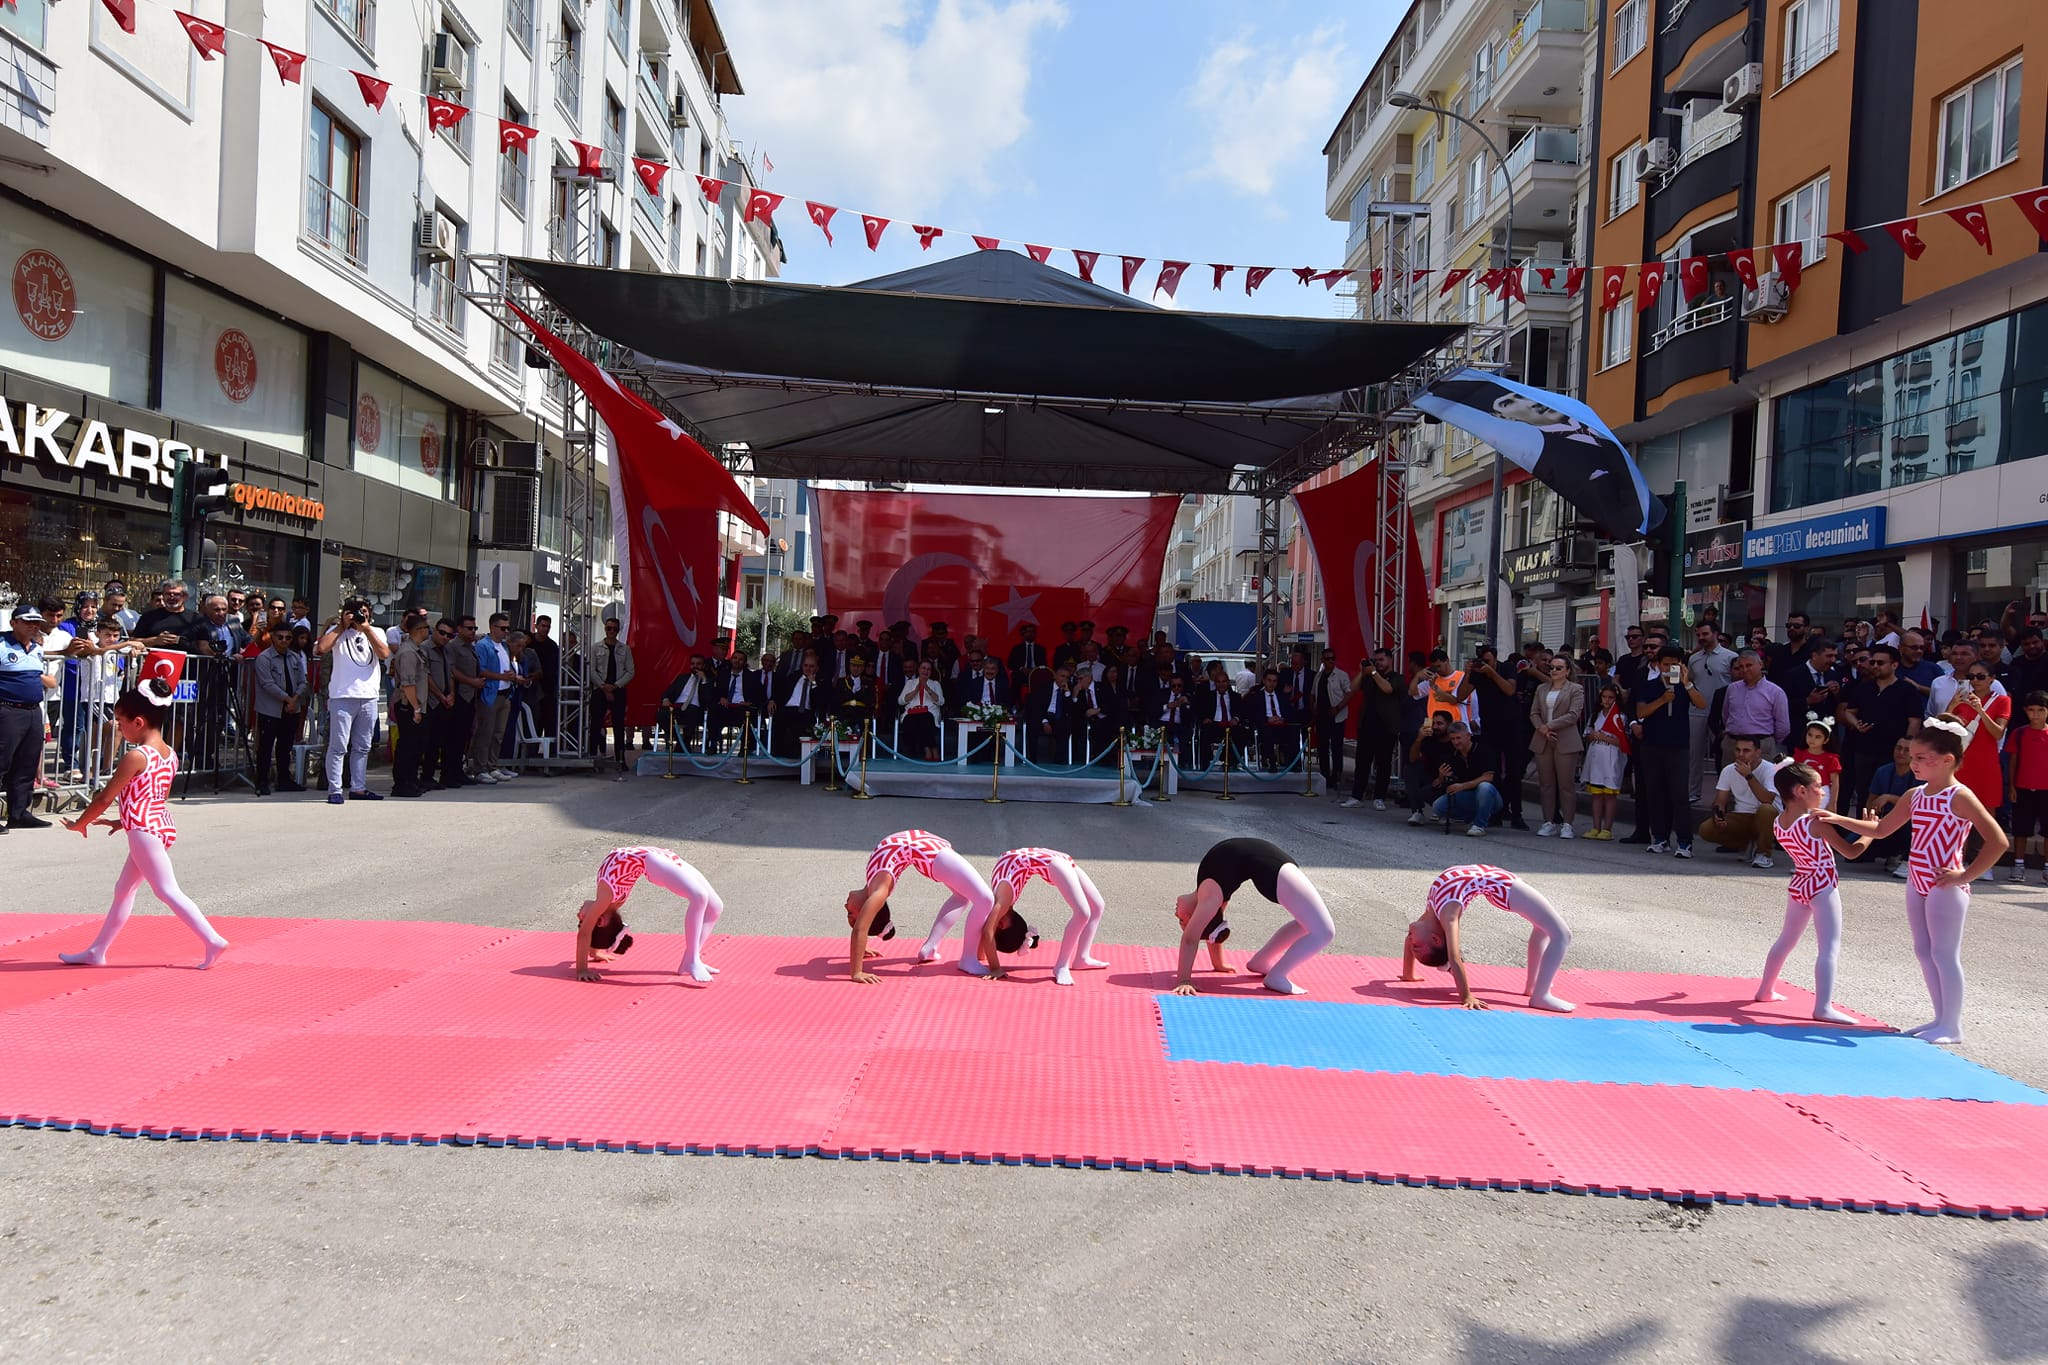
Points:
(233, 369)
(402, 435)
(393, 586)
(1736, 605)
(1990, 579)
(1833, 594)
(55, 547)
(241, 558)
(1461, 536)
(80, 314)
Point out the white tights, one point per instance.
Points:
(1548, 938)
(970, 895)
(1825, 911)
(701, 909)
(148, 862)
(1937, 923)
(1086, 903)
(1297, 941)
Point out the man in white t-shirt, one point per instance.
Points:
(1745, 804)
(358, 650)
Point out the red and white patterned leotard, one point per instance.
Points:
(1938, 834)
(623, 868)
(142, 800)
(1813, 862)
(1020, 865)
(1473, 881)
(906, 848)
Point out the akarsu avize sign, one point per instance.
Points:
(30, 431)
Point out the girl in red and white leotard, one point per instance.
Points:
(1813, 894)
(599, 925)
(1943, 813)
(141, 782)
(1004, 930)
(1433, 939)
(921, 851)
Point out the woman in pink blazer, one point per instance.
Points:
(1557, 724)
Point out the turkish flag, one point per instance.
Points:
(711, 189)
(1040, 254)
(515, 136)
(291, 66)
(2034, 204)
(985, 563)
(123, 12)
(986, 243)
(1216, 274)
(1378, 275)
(873, 227)
(1418, 276)
(1790, 260)
(1131, 264)
(443, 113)
(210, 38)
(1851, 238)
(651, 174)
(1971, 218)
(373, 89)
(761, 204)
(821, 214)
(589, 161)
(1574, 280)
(1331, 277)
(1452, 279)
(1612, 278)
(1906, 232)
(1169, 277)
(1693, 277)
(1084, 261)
(1344, 529)
(1304, 273)
(1649, 285)
(926, 235)
(1489, 280)
(666, 494)
(1744, 262)
(1255, 275)
(162, 669)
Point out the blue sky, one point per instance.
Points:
(1189, 130)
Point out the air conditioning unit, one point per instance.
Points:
(437, 235)
(1654, 158)
(1744, 88)
(679, 113)
(519, 457)
(1769, 301)
(509, 517)
(451, 63)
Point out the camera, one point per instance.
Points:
(1672, 674)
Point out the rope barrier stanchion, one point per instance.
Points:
(746, 746)
(831, 757)
(1225, 795)
(1308, 775)
(1123, 737)
(867, 743)
(668, 729)
(995, 772)
(1159, 761)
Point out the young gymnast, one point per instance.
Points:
(867, 906)
(141, 781)
(1005, 928)
(599, 925)
(1274, 874)
(1433, 938)
(1943, 812)
(1815, 890)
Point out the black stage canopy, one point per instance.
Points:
(987, 368)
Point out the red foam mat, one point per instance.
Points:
(411, 944)
(155, 939)
(88, 1070)
(1980, 1158)
(17, 928)
(230, 993)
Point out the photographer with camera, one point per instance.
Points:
(359, 651)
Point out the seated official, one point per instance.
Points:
(1026, 657)
(990, 688)
(741, 697)
(794, 715)
(1465, 784)
(922, 700)
(1054, 721)
(1095, 708)
(1174, 713)
(853, 697)
(1219, 713)
(1275, 721)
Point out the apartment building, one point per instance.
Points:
(1224, 561)
(1424, 197)
(785, 571)
(208, 259)
(1875, 437)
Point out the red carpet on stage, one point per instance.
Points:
(414, 1032)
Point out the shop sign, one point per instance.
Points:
(28, 431)
(1472, 616)
(45, 296)
(1554, 561)
(369, 424)
(1702, 509)
(430, 448)
(234, 364)
(1716, 549)
(1844, 533)
(254, 498)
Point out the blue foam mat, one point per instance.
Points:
(1502, 1045)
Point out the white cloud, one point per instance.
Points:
(1264, 107)
(903, 100)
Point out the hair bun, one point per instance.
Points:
(157, 690)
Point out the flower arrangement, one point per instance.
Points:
(986, 714)
(1149, 737)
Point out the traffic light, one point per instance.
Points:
(209, 490)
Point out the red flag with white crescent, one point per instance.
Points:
(1255, 275)
(1973, 220)
(515, 136)
(761, 204)
(651, 174)
(1649, 285)
(1693, 276)
(373, 89)
(1169, 277)
(1040, 254)
(1546, 275)
(1378, 274)
(1348, 534)
(1851, 238)
(589, 161)
(210, 38)
(1789, 258)
(821, 214)
(926, 235)
(987, 243)
(291, 66)
(1512, 285)
(123, 12)
(1906, 232)
(1744, 262)
(711, 189)
(1305, 273)
(873, 226)
(1418, 276)
(2034, 204)
(1574, 280)
(1489, 280)
(1452, 279)
(1131, 264)
(1216, 274)
(162, 669)
(1084, 261)
(444, 113)
(1612, 278)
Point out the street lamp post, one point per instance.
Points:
(1403, 99)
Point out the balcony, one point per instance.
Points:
(618, 27)
(1538, 66)
(1544, 305)
(1698, 342)
(653, 91)
(357, 18)
(1711, 165)
(336, 224)
(1544, 170)
(650, 216)
(30, 98)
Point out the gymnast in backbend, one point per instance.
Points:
(1433, 938)
(1005, 930)
(867, 906)
(599, 926)
(1274, 874)
(1815, 892)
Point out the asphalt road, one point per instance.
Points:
(213, 1250)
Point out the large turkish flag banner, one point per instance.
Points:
(986, 564)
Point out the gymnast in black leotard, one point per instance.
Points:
(1275, 875)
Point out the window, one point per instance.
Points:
(561, 214)
(442, 303)
(457, 135)
(401, 434)
(1482, 74)
(515, 168)
(334, 167)
(30, 22)
(1425, 164)
(1802, 216)
(1622, 189)
(1980, 127)
(703, 260)
(569, 67)
(615, 130)
(504, 348)
(519, 23)
(618, 24)
(1811, 29)
(608, 242)
(1631, 23)
(1475, 191)
(358, 19)
(1452, 128)
(1618, 335)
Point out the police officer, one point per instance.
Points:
(23, 669)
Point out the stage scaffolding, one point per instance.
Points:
(1375, 419)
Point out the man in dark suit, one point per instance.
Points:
(1298, 682)
(741, 696)
(1099, 713)
(1025, 655)
(217, 642)
(1274, 717)
(792, 661)
(988, 688)
(1053, 720)
(863, 642)
(1069, 647)
(1173, 711)
(794, 712)
(1218, 713)
(887, 669)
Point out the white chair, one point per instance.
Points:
(532, 743)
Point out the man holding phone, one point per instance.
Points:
(358, 652)
(1664, 701)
